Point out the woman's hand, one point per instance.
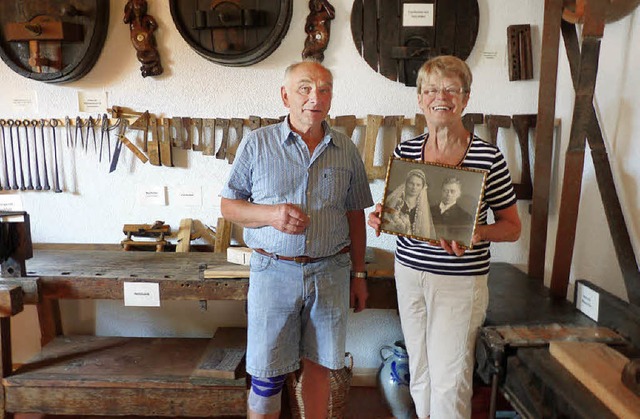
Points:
(452, 248)
(375, 221)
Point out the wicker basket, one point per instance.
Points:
(340, 383)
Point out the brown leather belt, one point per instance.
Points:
(300, 259)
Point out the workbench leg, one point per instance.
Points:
(6, 360)
(494, 396)
(50, 320)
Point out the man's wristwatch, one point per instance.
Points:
(362, 274)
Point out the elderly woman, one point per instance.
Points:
(407, 207)
(442, 289)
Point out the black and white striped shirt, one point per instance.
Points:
(499, 194)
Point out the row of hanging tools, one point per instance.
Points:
(19, 139)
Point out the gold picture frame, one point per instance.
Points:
(429, 201)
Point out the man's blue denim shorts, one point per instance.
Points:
(296, 311)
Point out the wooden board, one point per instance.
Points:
(542, 334)
(224, 355)
(88, 375)
(599, 368)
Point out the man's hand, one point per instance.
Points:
(375, 220)
(358, 294)
(290, 219)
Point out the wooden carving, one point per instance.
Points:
(142, 27)
(318, 29)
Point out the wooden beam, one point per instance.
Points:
(574, 160)
(604, 176)
(544, 137)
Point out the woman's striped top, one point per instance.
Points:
(499, 194)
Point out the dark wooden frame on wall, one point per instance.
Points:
(268, 33)
(397, 51)
(78, 58)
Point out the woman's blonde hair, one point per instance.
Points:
(445, 65)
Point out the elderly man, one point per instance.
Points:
(299, 189)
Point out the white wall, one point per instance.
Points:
(95, 204)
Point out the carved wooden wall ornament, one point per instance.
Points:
(318, 29)
(396, 36)
(53, 41)
(232, 32)
(142, 27)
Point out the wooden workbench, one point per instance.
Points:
(88, 375)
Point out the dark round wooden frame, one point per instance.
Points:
(248, 57)
(84, 55)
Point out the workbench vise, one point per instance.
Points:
(15, 243)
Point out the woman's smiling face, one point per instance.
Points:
(442, 99)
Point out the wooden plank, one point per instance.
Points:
(522, 124)
(541, 388)
(371, 136)
(389, 37)
(544, 137)
(445, 23)
(397, 122)
(348, 122)
(224, 355)
(84, 375)
(599, 368)
(11, 301)
(49, 319)
(6, 362)
(223, 236)
(356, 24)
(494, 123)
(574, 164)
(470, 120)
(184, 235)
(370, 33)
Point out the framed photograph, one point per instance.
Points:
(428, 201)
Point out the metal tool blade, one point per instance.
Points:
(116, 152)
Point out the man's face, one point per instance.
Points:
(450, 193)
(307, 93)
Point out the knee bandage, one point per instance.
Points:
(264, 397)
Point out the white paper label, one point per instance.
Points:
(25, 102)
(417, 14)
(151, 195)
(142, 294)
(92, 102)
(588, 301)
(188, 196)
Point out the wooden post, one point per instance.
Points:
(574, 160)
(544, 137)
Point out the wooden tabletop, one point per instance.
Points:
(100, 274)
